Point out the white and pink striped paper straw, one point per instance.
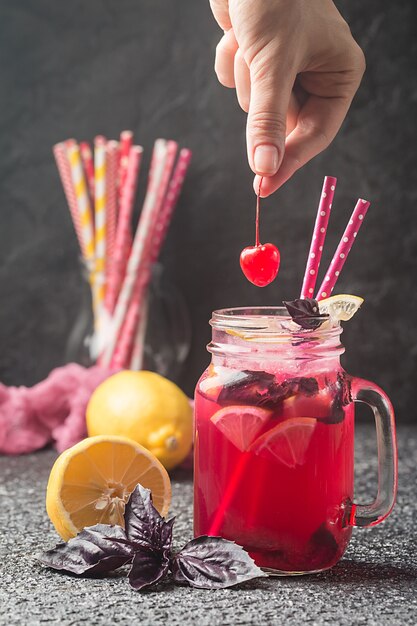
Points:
(88, 165)
(138, 350)
(319, 236)
(170, 201)
(112, 161)
(135, 313)
(128, 332)
(171, 153)
(136, 259)
(123, 231)
(343, 249)
(62, 162)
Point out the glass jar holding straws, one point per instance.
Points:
(167, 332)
(138, 318)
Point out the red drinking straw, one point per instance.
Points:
(319, 235)
(343, 249)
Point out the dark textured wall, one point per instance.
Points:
(83, 67)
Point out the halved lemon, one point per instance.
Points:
(91, 482)
(341, 307)
(241, 424)
(287, 442)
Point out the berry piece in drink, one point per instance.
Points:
(250, 387)
(324, 546)
(278, 393)
(287, 443)
(241, 424)
(260, 263)
(340, 391)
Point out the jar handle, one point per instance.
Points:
(372, 514)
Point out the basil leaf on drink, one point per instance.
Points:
(306, 313)
(213, 563)
(95, 550)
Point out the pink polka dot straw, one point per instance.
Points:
(343, 249)
(319, 236)
(126, 142)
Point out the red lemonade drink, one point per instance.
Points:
(274, 441)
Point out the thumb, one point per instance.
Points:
(271, 88)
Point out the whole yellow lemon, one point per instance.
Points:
(147, 408)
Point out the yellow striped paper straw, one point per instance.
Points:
(100, 223)
(83, 202)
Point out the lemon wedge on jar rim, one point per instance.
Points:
(341, 307)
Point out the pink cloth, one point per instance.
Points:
(51, 411)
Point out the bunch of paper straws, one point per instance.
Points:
(317, 243)
(100, 187)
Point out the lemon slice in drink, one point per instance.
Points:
(342, 307)
(241, 424)
(91, 482)
(288, 442)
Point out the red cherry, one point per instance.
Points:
(260, 264)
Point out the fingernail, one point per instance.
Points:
(266, 160)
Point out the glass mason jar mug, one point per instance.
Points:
(274, 442)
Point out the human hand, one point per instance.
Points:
(296, 68)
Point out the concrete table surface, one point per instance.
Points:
(374, 584)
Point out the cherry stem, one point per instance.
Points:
(258, 208)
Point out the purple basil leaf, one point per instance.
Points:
(342, 397)
(95, 550)
(248, 389)
(148, 568)
(308, 386)
(144, 525)
(278, 392)
(212, 563)
(305, 312)
(344, 388)
(141, 517)
(162, 537)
